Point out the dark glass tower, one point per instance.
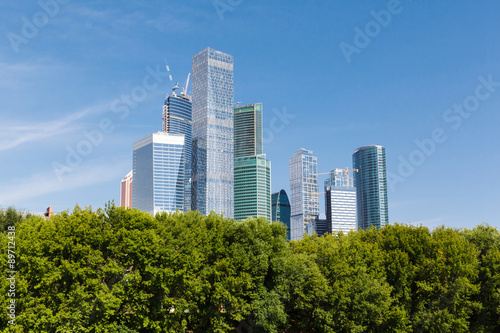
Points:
(177, 120)
(371, 186)
(280, 210)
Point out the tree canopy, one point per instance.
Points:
(122, 270)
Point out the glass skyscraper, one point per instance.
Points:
(248, 130)
(304, 191)
(177, 120)
(252, 172)
(213, 148)
(340, 205)
(252, 187)
(159, 173)
(371, 186)
(280, 210)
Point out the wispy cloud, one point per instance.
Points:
(45, 183)
(16, 134)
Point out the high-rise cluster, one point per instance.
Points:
(350, 202)
(209, 157)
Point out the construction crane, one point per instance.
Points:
(176, 86)
(346, 171)
(185, 89)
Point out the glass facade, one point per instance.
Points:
(252, 187)
(304, 191)
(340, 197)
(177, 120)
(317, 226)
(280, 210)
(213, 147)
(248, 130)
(252, 172)
(371, 186)
(159, 173)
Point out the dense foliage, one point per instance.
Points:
(122, 270)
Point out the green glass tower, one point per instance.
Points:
(252, 171)
(248, 130)
(371, 186)
(252, 187)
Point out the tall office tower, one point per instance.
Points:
(371, 186)
(280, 210)
(340, 197)
(304, 191)
(252, 172)
(159, 173)
(252, 187)
(213, 149)
(177, 120)
(248, 130)
(126, 191)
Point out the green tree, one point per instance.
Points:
(486, 240)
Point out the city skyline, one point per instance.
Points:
(425, 85)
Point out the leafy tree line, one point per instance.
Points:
(122, 270)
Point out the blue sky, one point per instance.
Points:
(332, 76)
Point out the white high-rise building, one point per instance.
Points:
(304, 191)
(158, 173)
(340, 197)
(213, 131)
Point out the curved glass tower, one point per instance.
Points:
(371, 186)
(177, 120)
(281, 210)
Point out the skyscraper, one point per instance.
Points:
(340, 206)
(252, 172)
(252, 187)
(280, 210)
(177, 120)
(159, 173)
(304, 191)
(126, 191)
(213, 149)
(248, 130)
(371, 186)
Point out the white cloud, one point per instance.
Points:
(14, 135)
(45, 183)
